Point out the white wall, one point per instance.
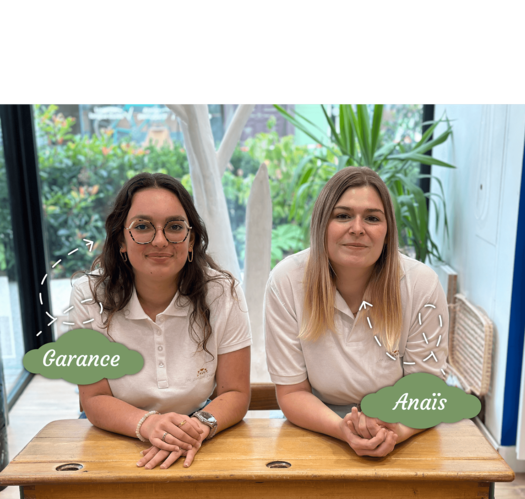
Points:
(482, 197)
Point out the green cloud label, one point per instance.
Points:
(82, 357)
(420, 400)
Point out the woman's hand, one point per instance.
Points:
(369, 427)
(179, 437)
(379, 445)
(153, 456)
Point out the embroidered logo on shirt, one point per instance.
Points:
(201, 372)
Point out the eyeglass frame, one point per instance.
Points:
(156, 229)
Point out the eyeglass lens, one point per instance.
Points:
(144, 231)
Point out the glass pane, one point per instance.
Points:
(85, 154)
(11, 338)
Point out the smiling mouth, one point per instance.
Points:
(353, 246)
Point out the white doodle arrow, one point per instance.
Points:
(364, 304)
(54, 318)
(89, 244)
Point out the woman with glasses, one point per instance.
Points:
(351, 315)
(156, 290)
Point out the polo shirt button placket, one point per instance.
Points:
(162, 377)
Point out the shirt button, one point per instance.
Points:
(161, 364)
(160, 349)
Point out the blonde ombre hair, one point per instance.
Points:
(383, 290)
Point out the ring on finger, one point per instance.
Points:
(164, 437)
(182, 424)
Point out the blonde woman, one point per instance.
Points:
(326, 349)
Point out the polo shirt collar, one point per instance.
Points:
(342, 306)
(136, 312)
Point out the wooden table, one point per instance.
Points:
(450, 460)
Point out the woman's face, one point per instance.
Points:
(357, 229)
(158, 260)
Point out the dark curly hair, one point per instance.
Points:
(116, 276)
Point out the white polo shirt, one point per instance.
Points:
(344, 366)
(175, 377)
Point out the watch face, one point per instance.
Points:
(208, 416)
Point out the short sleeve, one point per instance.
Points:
(84, 312)
(233, 325)
(427, 342)
(284, 355)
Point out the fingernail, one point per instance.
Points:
(138, 464)
(141, 452)
(186, 465)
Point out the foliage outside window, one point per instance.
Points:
(356, 138)
(82, 174)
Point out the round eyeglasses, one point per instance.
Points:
(143, 231)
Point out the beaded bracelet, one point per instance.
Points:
(146, 416)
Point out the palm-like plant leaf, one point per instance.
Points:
(358, 142)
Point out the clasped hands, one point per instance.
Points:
(371, 436)
(171, 438)
(367, 437)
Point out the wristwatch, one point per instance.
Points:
(207, 419)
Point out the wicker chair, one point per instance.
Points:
(470, 346)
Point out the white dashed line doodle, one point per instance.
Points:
(89, 243)
(68, 309)
(432, 354)
(54, 319)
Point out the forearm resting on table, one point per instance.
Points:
(112, 414)
(408, 432)
(228, 408)
(304, 409)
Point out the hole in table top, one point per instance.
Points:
(278, 464)
(69, 467)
